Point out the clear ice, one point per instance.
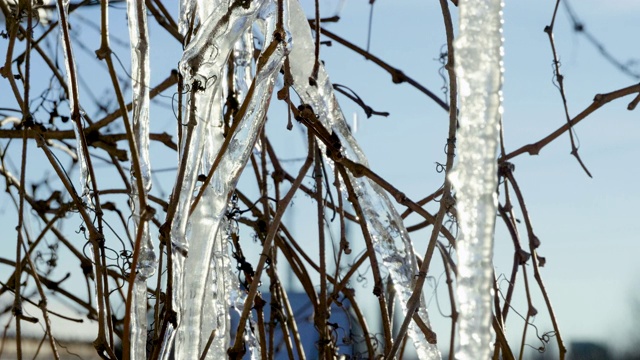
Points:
(203, 297)
(382, 219)
(479, 70)
(146, 266)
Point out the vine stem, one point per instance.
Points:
(273, 229)
(534, 243)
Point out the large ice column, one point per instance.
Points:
(201, 66)
(479, 70)
(382, 219)
(202, 302)
(139, 38)
(222, 185)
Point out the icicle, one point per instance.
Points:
(146, 266)
(201, 234)
(139, 36)
(72, 86)
(202, 65)
(204, 237)
(220, 189)
(479, 69)
(382, 219)
(139, 321)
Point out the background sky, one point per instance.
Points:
(588, 226)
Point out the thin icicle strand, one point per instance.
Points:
(479, 69)
(202, 319)
(139, 38)
(63, 11)
(383, 221)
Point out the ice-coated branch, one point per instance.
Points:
(384, 223)
(144, 256)
(202, 302)
(201, 67)
(479, 69)
(72, 84)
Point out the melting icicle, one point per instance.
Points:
(479, 68)
(212, 207)
(204, 237)
(202, 64)
(72, 86)
(382, 219)
(146, 266)
(194, 331)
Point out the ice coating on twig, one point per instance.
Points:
(383, 221)
(139, 37)
(72, 86)
(146, 265)
(187, 8)
(202, 68)
(231, 165)
(479, 69)
(215, 309)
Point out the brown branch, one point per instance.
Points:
(598, 101)
(534, 242)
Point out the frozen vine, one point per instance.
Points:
(72, 86)
(146, 264)
(225, 84)
(383, 222)
(206, 150)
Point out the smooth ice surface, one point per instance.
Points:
(479, 70)
(146, 266)
(383, 221)
(138, 348)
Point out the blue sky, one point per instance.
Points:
(588, 227)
